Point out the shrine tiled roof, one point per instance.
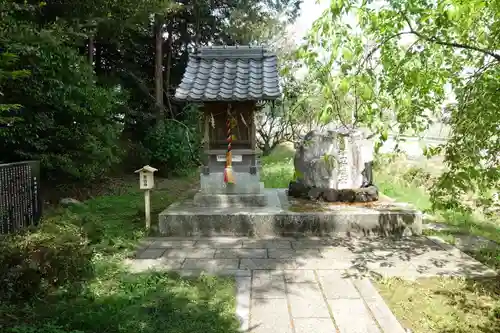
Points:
(230, 73)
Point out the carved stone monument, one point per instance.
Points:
(334, 165)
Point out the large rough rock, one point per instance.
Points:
(338, 159)
(334, 165)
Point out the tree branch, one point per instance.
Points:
(450, 44)
(372, 51)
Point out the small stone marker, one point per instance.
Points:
(146, 182)
(66, 202)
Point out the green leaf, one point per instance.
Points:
(367, 92)
(347, 54)
(325, 115)
(344, 85)
(384, 135)
(345, 68)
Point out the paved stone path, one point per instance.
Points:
(310, 285)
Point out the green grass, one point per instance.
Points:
(390, 182)
(111, 299)
(277, 168)
(146, 303)
(406, 183)
(277, 173)
(444, 305)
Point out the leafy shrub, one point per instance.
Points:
(137, 155)
(35, 262)
(381, 161)
(175, 146)
(42, 328)
(417, 176)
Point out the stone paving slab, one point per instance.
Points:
(352, 316)
(316, 325)
(237, 273)
(220, 242)
(203, 253)
(243, 294)
(292, 253)
(210, 265)
(300, 276)
(306, 301)
(324, 263)
(150, 253)
(241, 253)
(342, 288)
(315, 284)
(268, 264)
(268, 243)
(270, 316)
(268, 284)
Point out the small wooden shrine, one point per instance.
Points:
(230, 83)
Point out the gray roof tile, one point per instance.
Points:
(230, 73)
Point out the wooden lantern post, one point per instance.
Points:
(146, 183)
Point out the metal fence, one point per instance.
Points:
(20, 199)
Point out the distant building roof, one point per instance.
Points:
(230, 73)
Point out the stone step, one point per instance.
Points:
(280, 218)
(230, 200)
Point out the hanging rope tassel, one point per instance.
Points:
(228, 170)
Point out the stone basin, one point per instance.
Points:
(286, 216)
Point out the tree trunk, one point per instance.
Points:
(266, 149)
(159, 67)
(98, 57)
(90, 50)
(168, 68)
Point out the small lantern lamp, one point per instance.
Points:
(147, 182)
(146, 177)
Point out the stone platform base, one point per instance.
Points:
(284, 216)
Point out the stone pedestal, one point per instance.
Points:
(247, 191)
(245, 183)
